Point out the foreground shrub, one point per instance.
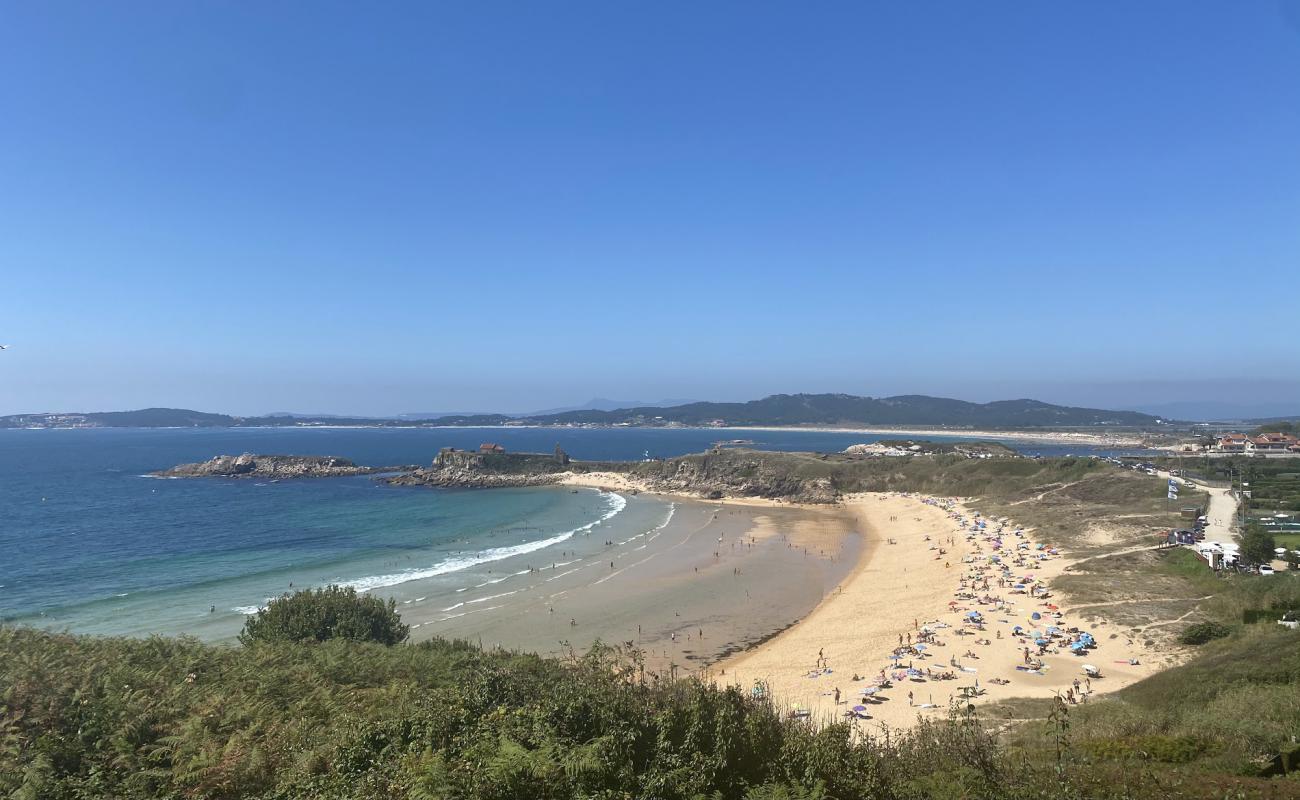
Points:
(322, 614)
(1203, 632)
(83, 718)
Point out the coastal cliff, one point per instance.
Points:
(249, 465)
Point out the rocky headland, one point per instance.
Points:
(815, 478)
(249, 465)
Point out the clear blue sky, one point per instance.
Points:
(378, 208)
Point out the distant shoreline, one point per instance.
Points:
(1044, 436)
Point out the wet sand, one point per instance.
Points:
(711, 580)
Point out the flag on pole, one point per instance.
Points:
(1173, 494)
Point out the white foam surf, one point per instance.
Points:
(615, 503)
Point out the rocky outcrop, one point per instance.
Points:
(874, 449)
(733, 474)
(469, 479)
(474, 470)
(249, 465)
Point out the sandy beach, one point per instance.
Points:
(1043, 437)
(919, 577)
(687, 581)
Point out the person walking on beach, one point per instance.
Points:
(837, 695)
(909, 698)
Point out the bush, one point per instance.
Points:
(330, 613)
(1166, 749)
(1203, 632)
(1257, 546)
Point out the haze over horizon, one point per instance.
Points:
(247, 209)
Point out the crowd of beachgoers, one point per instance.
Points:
(951, 608)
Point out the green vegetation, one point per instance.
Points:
(1202, 632)
(1232, 707)
(1257, 545)
(318, 615)
(832, 409)
(84, 717)
(1274, 483)
(1281, 426)
(780, 409)
(291, 716)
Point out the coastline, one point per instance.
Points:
(1043, 437)
(686, 588)
(897, 589)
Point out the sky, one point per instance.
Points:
(385, 208)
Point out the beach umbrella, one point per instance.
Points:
(870, 690)
(859, 709)
(895, 657)
(1053, 629)
(1016, 629)
(1035, 616)
(919, 647)
(1040, 642)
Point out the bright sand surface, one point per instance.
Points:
(900, 588)
(902, 585)
(1042, 437)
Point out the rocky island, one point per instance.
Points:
(249, 465)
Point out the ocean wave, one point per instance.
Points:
(615, 503)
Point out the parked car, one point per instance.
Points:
(1265, 569)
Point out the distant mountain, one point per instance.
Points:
(603, 404)
(776, 410)
(844, 409)
(295, 415)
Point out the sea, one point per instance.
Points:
(90, 543)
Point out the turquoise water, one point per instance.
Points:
(91, 545)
